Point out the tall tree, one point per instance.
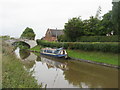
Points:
(116, 17)
(28, 34)
(74, 28)
(91, 26)
(106, 24)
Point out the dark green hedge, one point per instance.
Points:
(113, 38)
(87, 46)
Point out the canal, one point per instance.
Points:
(61, 73)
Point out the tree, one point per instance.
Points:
(74, 28)
(106, 24)
(91, 26)
(63, 38)
(28, 34)
(116, 17)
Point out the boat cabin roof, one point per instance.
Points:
(52, 49)
(48, 49)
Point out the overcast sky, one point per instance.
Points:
(16, 15)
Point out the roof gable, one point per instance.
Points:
(56, 32)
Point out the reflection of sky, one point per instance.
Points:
(17, 52)
(53, 77)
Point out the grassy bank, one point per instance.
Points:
(13, 73)
(36, 48)
(108, 58)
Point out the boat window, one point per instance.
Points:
(44, 50)
(61, 52)
(56, 52)
(49, 51)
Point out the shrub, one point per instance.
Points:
(87, 46)
(28, 34)
(113, 38)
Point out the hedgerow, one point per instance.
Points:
(113, 47)
(113, 38)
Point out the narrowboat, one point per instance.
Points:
(59, 52)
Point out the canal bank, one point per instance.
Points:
(62, 73)
(57, 73)
(100, 58)
(13, 73)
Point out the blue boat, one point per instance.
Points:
(60, 52)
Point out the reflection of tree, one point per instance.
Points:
(21, 45)
(24, 53)
(38, 58)
(90, 75)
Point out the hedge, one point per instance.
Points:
(113, 38)
(87, 46)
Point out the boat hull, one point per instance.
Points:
(55, 55)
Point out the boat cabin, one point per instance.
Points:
(54, 51)
(60, 52)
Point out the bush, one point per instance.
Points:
(87, 46)
(113, 38)
(28, 34)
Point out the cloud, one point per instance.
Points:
(16, 15)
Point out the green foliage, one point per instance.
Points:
(28, 34)
(87, 46)
(116, 17)
(13, 73)
(113, 38)
(74, 28)
(108, 58)
(106, 24)
(21, 45)
(63, 38)
(36, 48)
(6, 37)
(91, 26)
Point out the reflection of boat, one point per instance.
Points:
(60, 52)
(54, 64)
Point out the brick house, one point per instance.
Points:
(52, 34)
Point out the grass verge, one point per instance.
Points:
(108, 58)
(36, 48)
(13, 73)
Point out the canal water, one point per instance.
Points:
(61, 73)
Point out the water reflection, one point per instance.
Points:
(88, 75)
(58, 73)
(24, 54)
(54, 64)
(27, 58)
(38, 58)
